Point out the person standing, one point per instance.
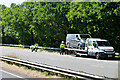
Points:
(36, 47)
(62, 48)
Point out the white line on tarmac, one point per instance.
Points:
(11, 74)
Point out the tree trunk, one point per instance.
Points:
(32, 38)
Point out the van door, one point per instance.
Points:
(77, 40)
(90, 47)
(72, 40)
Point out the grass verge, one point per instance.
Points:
(47, 74)
(40, 49)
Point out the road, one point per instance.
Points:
(11, 75)
(107, 68)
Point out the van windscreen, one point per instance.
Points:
(103, 43)
(85, 36)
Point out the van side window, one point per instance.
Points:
(77, 37)
(94, 44)
(73, 36)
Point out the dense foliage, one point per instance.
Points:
(48, 23)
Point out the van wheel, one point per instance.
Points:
(74, 54)
(79, 47)
(97, 56)
(68, 45)
(88, 54)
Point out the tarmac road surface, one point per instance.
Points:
(11, 75)
(107, 68)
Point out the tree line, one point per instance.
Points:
(48, 23)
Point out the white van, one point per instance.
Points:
(99, 47)
(76, 40)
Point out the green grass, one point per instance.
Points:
(47, 73)
(12, 56)
(40, 49)
(81, 71)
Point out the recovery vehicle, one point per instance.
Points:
(84, 44)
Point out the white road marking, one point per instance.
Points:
(11, 74)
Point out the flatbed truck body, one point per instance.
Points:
(94, 47)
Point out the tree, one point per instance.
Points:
(48, 23)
